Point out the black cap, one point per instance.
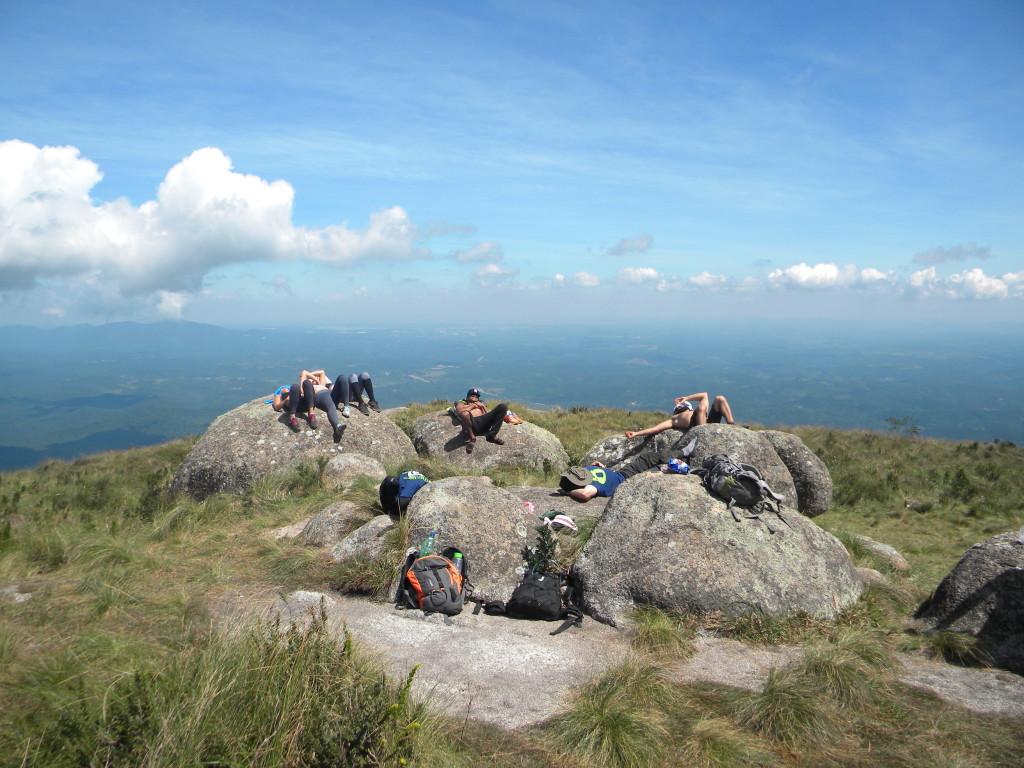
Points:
(471, 392)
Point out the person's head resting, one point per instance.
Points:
(574, 478)
(473, 392)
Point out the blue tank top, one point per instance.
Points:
(605, 480)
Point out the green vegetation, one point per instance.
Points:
(126, 656)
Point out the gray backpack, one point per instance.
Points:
(741, 485)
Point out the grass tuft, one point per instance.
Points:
(616, 721)
(790, 710)
(665, 635)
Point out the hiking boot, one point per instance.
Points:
(339, 431)
(495, 440)
(312, 421)
(374, 406)
(293, 423)
(361, 407)
(470, 445)
(346, 411)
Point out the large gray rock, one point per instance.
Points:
(984, 595)
(788, 466)
(365, 541)
(545, 499)
(489, 524)
(345, 468)
(526, 445)
(332, 524)
(252, 441)
(810, 475)
(664, 541)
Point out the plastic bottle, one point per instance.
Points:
(427, 547)
(457, 561)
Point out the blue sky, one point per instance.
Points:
(334, 163)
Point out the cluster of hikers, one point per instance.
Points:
(316, 390)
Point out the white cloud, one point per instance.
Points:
(361, 293)
(708, 281)
(489, 252)
(975, 284)
(637, 275)
(586, 280)
(170, 304)
(964, 252)
(493, 276)
(205, 215)
(812, 277)
(632, 245)
(558, 281)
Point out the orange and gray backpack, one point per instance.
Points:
(434, 583)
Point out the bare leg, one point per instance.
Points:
(720, 411)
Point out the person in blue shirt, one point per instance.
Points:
(584, 483)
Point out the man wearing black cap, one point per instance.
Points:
(476, 419)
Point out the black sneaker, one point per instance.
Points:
(363, 409)
(374, 406)
(339, 431)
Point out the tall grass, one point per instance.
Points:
(261, 697)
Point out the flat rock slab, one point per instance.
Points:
(501, 671)
(513, 674)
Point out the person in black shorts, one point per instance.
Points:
(691, 411)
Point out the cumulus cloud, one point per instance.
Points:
(964, 252)
(826, 276)
(632, 245)
(975, 284)
(708, 281)
(170, 304)
(586, 280)
(489, 252)
(205, 215)
(493, 276)
(637, 275)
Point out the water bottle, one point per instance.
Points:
(457, 561)
(427, 547)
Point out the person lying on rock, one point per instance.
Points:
(477, 419)
(690, 411)
(584, 483)
(318, 392)
(347, 390)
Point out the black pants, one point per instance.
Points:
(300, 398)
(641, 463)
(490, 422)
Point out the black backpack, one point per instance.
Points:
(741, 485)
(396, 491)
(540, 597)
